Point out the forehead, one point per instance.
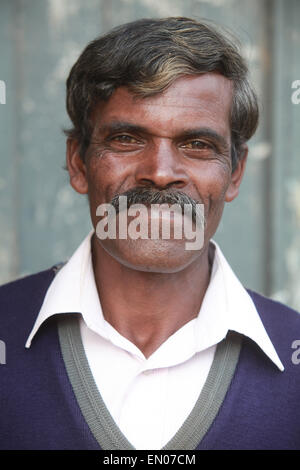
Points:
(191, 101)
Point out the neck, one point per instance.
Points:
(147, 308)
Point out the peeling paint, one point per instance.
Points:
(162, 8)
(260, 151)
(70, 54)
(293, 189)
(217, 3)
(28, 106)
(251, 52)
(282, 296)
(292, 255)
(295, 35)
(60, 11)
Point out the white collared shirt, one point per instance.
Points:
(149, 399)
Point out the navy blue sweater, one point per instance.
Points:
(38, 408)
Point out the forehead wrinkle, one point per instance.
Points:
(124, 105)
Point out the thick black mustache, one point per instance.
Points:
(149, 196)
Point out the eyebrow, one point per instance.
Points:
(203, 132)
(121, 126)
(196, 133)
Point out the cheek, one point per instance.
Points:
(212, 185)
(104, 179)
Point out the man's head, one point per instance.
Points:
(147, 56)
(162, 104)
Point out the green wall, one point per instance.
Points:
(42, 219)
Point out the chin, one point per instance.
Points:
(157, 256)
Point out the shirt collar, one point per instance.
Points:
(226, 306)
(71, 289)
(233, 309)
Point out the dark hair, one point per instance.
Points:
(147, 56)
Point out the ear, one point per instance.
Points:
(76, 167)
(237, 176)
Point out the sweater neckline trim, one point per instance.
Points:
(102, 425)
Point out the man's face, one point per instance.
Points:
(178, 140)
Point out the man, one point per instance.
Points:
(139, 342)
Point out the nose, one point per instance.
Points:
(161, 167)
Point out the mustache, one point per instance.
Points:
(149, 196)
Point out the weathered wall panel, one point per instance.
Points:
(43, 219)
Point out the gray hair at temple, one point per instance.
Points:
(147, 56)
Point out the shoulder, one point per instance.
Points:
(273, 309)
(281, 322)
(26, 284)
(23, 296)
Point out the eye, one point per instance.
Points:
(125, 139)
(197, 145)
